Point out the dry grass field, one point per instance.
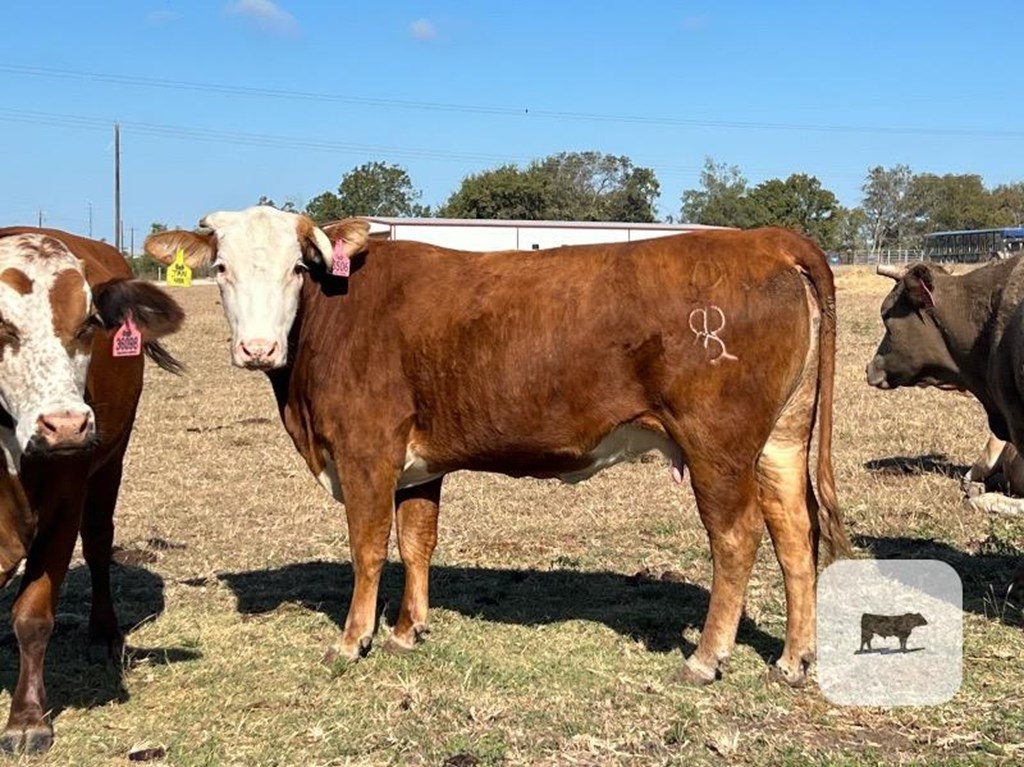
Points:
(560, 614)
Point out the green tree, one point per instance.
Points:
(888, 207)
(156, 227)
(570, 186)
(289, 205)
(949, 202)
(721, 200)
(1009, 203)
(801, 203)
(504, 193)
(371, 189)
(853, 230)
(590, 186)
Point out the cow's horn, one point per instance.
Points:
(891, 270)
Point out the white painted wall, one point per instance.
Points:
(484, 236)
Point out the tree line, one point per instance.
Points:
(898, 206)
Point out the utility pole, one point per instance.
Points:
(40, 218)
(131, 251)
(118, 237)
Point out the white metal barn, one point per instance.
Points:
(488, 234)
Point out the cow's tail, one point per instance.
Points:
(811, 260)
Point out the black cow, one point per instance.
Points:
(888, 626)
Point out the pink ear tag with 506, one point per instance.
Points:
(341, 265)
(127, 339)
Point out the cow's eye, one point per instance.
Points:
(8, 332)
(300, 267)
(220, 267)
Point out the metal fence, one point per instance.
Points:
(887, 256)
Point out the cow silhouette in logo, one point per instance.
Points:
(898, 626)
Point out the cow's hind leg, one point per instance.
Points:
(416, 511)
(791, 513)
(27, 728)
(727, 501)
(105, 638)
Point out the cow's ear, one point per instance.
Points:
(352, 233)
(200, 248)
(920, 287)
(315, 245)
(153, 311)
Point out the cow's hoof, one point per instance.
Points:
(345, 652)
(406, 642)
(106, 653)
(697, 674)
(395, 646)
(781, 675)
(34, 739)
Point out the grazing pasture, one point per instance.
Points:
(559, 613)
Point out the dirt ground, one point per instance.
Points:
(560, 614)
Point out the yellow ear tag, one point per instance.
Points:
(179, 272)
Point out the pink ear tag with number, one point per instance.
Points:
(341, 265)
(127, 339)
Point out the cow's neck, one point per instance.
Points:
(965, 310)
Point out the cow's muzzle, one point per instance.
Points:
(63, 432)
(259, 354)
(876, 376)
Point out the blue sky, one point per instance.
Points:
(223, 101)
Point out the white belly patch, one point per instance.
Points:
(623, 443)
(329, 477)
(413, 473)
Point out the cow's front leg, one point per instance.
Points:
(369, 504)
(27, 728)
(416, 511)
(106, 641)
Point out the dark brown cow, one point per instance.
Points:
(961, 332)
(66, 410)
(552, 363)
(898, 626)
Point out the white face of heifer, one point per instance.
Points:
(259, 255)
(46, 329)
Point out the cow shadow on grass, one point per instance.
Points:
(986, 574)
(904, 465)
(72, 678)
(654, 611)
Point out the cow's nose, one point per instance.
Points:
(875, 375)
(257, 351)
(63, 429)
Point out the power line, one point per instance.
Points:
(518, 112)
(237, 137)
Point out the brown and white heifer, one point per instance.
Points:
(714, 348)
(67, 404)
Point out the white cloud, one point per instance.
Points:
(422, 29)
(266, 15)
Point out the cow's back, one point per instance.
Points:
(102, 261)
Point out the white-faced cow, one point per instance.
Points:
(715, 348)
(67, 405)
